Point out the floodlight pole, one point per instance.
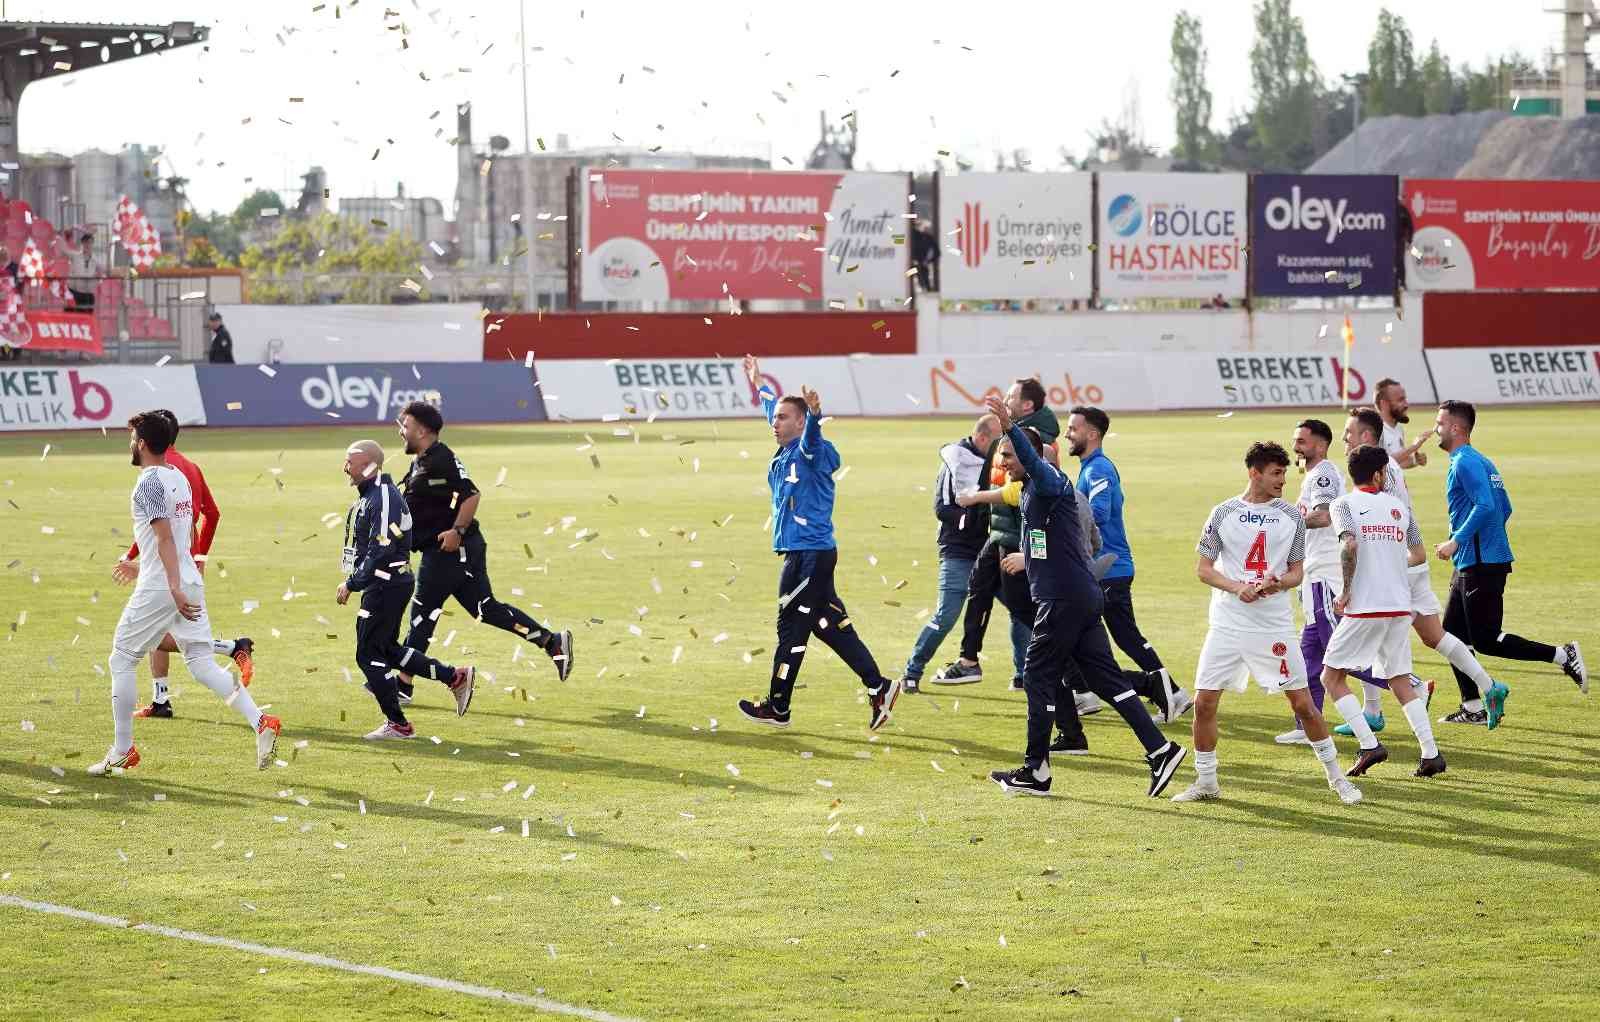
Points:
(527, 162)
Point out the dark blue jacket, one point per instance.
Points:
(378, 526)
(1052, 539)
(801, 477)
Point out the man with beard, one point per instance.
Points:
(455, 559)
(1390, 400)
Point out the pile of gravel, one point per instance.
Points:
(1442, 145)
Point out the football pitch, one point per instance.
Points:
(626, 843)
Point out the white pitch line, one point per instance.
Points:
(307, 958)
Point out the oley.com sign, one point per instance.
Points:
(1323, 234)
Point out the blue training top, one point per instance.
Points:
(1479, 509)
(1101, 486)
(801, 477)
(1052, 539)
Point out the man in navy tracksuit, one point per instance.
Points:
(377, 564)
(1481, 552)
(801, 477)
(1067, 626)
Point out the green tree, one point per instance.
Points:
(1393, 85)
(330, 256)
(1438, 83)
(1286, 88)
(247, 212)
(1191, 99)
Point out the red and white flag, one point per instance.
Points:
(137, 234)
(31, 265)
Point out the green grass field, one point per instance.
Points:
(682, 864)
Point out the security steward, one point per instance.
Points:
(454, 556)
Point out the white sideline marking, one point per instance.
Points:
(415, 978)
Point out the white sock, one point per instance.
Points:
(207, 673)
(1417, 714)
(1205, 765)
(1461, 658)
(1350, 709)
(1328, 756)
(1372, 698)
(1473, 705)
(124, 694)
(1561, 656)
(160, 689)
(222, 647)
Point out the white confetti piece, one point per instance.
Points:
(824, 784)
(267, 371)
(733, 769)
(935, 764)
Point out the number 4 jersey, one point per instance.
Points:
(1253, 543)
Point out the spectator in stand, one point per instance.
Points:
(82, 268)
(9, 267)
(221, 341)
(925, 255)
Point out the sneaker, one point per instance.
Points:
(1494, 704)
(461, 688)
(1374, 721)
(115, 764)
(1071, 745)
(882, 703)
(242, 648)
(1431, 767)
(562, 656)
(1088, 703)
(1366, 759)
(1295, 737)
(1163, 765)
(1160, 697)
(1020, 781)
(958, 673)
(163, 710)
(763, 713)
(1574, 667)
(1198, 792)
(911, 685)
(390, 730)
(1016, 683)
(1348, 793)
(1465, 716)
(267, 740)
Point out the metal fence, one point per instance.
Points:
(499, 290)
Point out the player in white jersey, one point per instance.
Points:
(1365, 426)
(1389, 398)
(169, 597)
(1378, 540)
(1252, 551)
(1324, 484)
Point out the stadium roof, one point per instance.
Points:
(31, 51)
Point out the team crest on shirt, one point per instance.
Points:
(1395, 513)
(1324, 481)
(1279, 649)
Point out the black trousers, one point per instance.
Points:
(1064, 633)
(1123, 627)
(1473, 615)
(465, 576)
(378, 650)
(809, 605)
(986, 583)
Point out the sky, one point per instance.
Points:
(283, 86)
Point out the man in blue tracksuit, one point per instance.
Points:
(1066, 626)
(801, 477)
(1481, 552)
(377, 564)
(1101, 486)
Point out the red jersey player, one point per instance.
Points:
(206, 510)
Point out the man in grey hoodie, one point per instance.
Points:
(962, 531)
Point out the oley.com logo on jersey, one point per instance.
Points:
(1258, 518)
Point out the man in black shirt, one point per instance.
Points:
(221, 351)
(444, 504)
(1067, 624)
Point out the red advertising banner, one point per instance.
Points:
(43, 330)
(1503, 235)
(715, 235)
